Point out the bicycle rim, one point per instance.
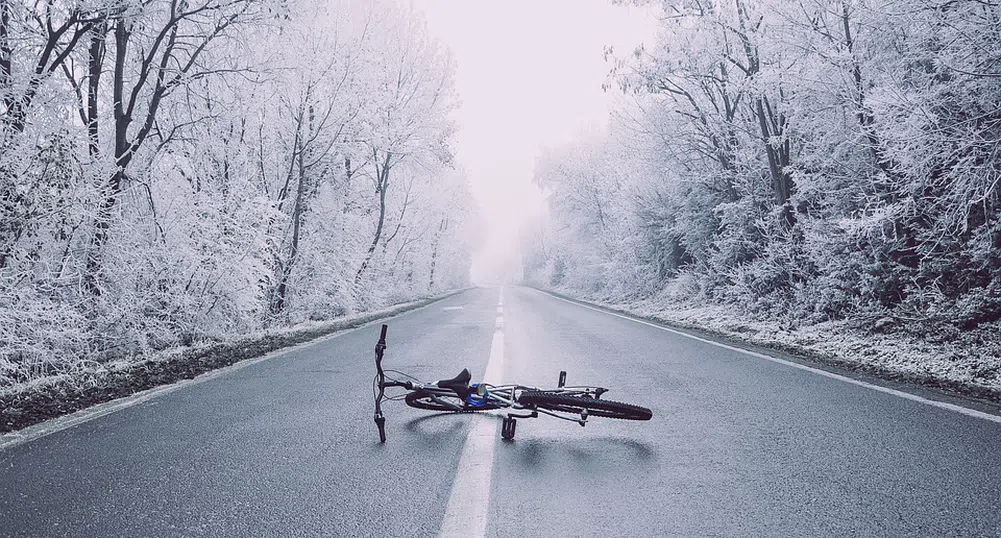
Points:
(577, 404)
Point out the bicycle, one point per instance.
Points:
(457, 395)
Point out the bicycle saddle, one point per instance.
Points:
(459, 383)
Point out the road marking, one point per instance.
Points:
(453, 308)
(467, 509)
(886, 390)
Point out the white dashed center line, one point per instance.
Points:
(467, 509)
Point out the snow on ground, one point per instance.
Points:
(968, 361)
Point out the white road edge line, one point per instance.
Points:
(468, 504)
(42, 429)
(901, 394)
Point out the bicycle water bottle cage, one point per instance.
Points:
(458, 384)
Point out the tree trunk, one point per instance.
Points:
(382, 181)
(5, 48)
(865, 117)
(122, 158)
(772, 125)
(299, 150)
(281, 293)
(772, 128)
(434, 251)
(9, 231)
(95, 61)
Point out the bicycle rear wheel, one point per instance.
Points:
(576, 404)
(422, 399)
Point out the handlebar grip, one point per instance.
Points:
(379, 348)
(381, 423)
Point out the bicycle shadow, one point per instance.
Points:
(426, 426)
(585, 452)
(600, 454)
(430, 429)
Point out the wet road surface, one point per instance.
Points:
(738, 446)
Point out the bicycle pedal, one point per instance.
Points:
(507, 428)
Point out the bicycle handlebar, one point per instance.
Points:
(380, 348)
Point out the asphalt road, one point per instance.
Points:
(738, 446)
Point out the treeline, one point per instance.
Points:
(173, 171)
(801, 160)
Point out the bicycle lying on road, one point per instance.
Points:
(457, 395)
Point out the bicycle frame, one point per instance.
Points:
(504, 397)
(458, 395)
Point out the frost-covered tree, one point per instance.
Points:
(176, 171)
(806, 159)
(408, 119)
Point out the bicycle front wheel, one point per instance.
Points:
(422, 399)
(554, 401)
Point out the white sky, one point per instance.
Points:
(529, 76)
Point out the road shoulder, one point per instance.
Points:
(927, 383)
(113, 385)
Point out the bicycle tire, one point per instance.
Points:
(576, 404)
(422, 399)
